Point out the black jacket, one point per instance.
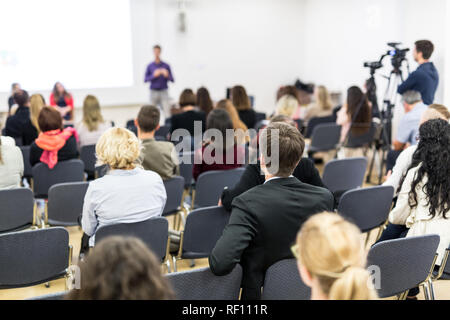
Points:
(67, 152)
(305, 172)
(248, 117)
(19, 126)
(263, 226)
(425, 80)
(185, 120)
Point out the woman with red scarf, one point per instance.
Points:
(54, 143)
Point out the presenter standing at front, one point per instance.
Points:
(158, 74)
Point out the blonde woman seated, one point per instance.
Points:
(287, 105)
(322, 106)
(127, 193)
(331, 259)
(37, 102)
(91, 127)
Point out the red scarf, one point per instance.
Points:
(51, 142)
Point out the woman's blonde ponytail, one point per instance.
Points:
(354, 284)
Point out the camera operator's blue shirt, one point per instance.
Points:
(425, 80)
(408, 127)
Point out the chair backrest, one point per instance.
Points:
(16, 209)
(365, 139)
(33, 257)
(64, 171)
(259, 116)
(403, 263)
(203, 228)
(283, 282)
(27, 172)
(186, 168)
(368, 208)
(210, 185)
(174, 190)
(87, 155)
(65, 202)
(344, 174)
(202, 284)
(325, 137)
(154, 232)
(313, 122)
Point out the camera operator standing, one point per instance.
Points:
(425, 79)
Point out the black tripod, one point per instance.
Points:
(384, 131)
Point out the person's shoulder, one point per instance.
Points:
(148, 174)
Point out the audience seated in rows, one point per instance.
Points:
(189, 114)
(435, 111)
(92, 126)
(120, 268)
(408, 126)
(423, 203)
(11, 164)
(305, 171)
(62, 101)
(265, 220)
(204, 102)
(158, 156)
(321, 107)
(127, 193)
(19, 125)
(218, 152)
(54, 143)
(331, 259)
(241, 101)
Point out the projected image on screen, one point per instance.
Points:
(82, 43)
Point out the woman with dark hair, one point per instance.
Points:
(121, 268)
(355, 115)
(204, 101)
(423, 203)
(54, 143)
(188, 114)
(241, 101)
(218, 152)
(62, 101)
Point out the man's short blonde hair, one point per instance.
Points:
(119, 148)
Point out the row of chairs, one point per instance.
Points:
(399, 266)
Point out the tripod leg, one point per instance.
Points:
(372, 161)
(382, 165)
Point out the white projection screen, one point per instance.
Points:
(82, 43)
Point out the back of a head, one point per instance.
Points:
(323, 98)
(426, 47)
(283, 118)
(36, 105)
(119, 148)
(226, 104)
(120, 268)
(50, 119)
(287, 105)
(148, 118)
(240, 98)
(284, 142)
(411, 97)
(204, 101)
(443, 110)
(187, 98)
(358, 110)
(92, 114)
(287, 90)
(332, 251)
(220, 120)
(430, 114)
(21, 97)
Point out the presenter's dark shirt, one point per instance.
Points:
(160, 82)
(425, 80)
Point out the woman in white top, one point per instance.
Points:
(92, 125)
(127, 193)
(11, 164)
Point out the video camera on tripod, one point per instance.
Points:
(383, 136)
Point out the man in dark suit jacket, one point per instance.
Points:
(265, 220)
